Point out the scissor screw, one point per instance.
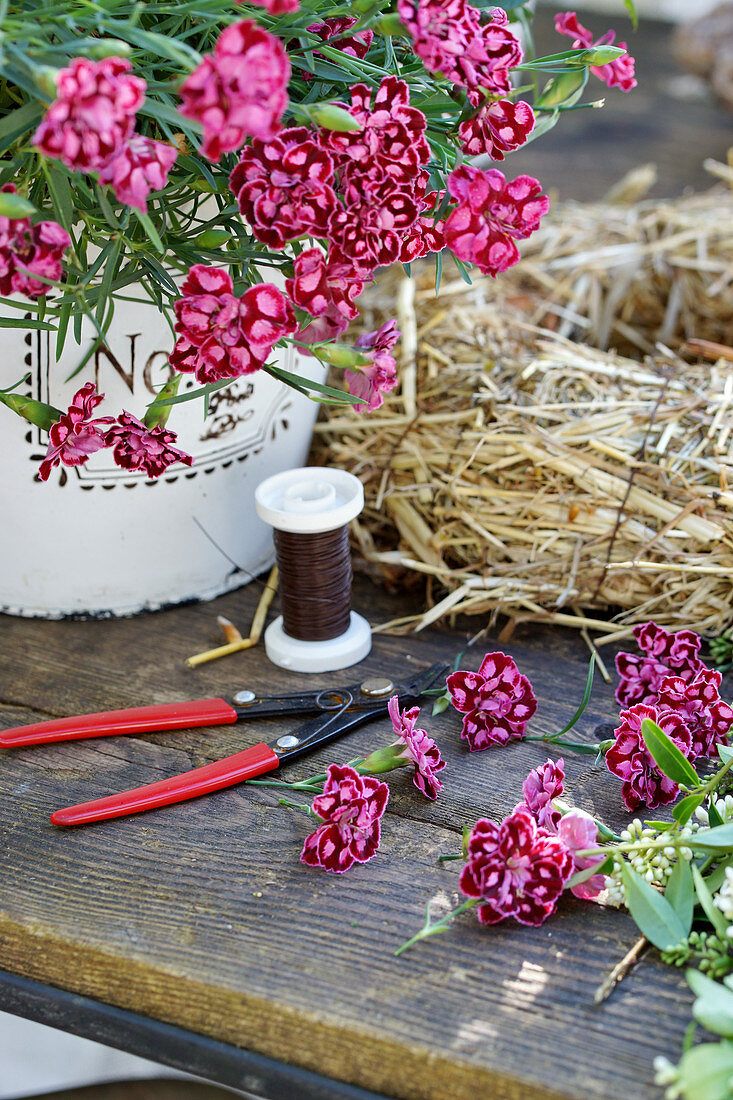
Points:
(243, 697)
(376, 686)
(288, 741)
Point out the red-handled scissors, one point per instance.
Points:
(339, 710)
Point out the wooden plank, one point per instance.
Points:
(201, 915)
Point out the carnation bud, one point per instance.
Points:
(563, 89)
(36, 412)
(332, 117)
(602, 55)
(13, 205)
(45, 79)
(384, 760)
(157, 414)
(341, 355)
(212, 238)
(390, 26)
(109, 47)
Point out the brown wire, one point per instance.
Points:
(315, 583)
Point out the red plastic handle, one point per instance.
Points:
(212, 777)
(167, 716)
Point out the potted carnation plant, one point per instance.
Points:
(193, 196)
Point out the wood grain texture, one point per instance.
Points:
(201, 914)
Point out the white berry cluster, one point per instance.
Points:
(653, 864)
(724, 806)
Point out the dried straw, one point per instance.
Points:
(524, 474)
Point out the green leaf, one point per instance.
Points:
(714, 1005)
(714, 817)
(631, 9)
(562, 90)
(685, 808)
(667, 756)
(18, 121)
(150, 229)
(716, 878)
(600, 868)
(338, 396)
(706, 1071)
(725, 752)
(58, 185)
(13, 205)
(714, 915)
(583, 700)
(718, 839)
(441, 703)
(19, 322)
(654, 915)
(680, 893)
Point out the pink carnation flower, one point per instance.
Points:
(239, 90)
(283, 187)
(420, 749)
(93, 114)
(616, 74)
(497, 702)
(449, 38)
(499, 127)
(666, 654)
(541, 786)
(326, 295)
(331, 32)
(222, 336)
(139, 448)
(578, 831)
(628, 758)
(351, 807)
(491, 213)
(75, 435)
(516, 869)
(373, 381)
(698, 703)
(141, 166)
(37, 248)
(277, 7)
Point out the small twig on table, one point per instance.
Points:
(620, 970)
(236, 642)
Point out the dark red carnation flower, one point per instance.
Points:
(516, 869)
(392, 140)
(283, 187)
(141, 166)
(222, 336)
(139, 448)
(491, 213)
(629, 758)
(332, 32)
(239, 90)
(499, 127)
(698, 703)
(665, 654)
(75, 435)
(427, 234)
(327, 296)
(351, 807)
(367, 231)
(497, 702)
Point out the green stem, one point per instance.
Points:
(444, 859)
(296, 806)
(429, 929)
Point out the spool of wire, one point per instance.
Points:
(309, 509)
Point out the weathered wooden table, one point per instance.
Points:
(200, 916)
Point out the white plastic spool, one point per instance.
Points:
(311, 500)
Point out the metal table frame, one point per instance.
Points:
(220, 1063)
